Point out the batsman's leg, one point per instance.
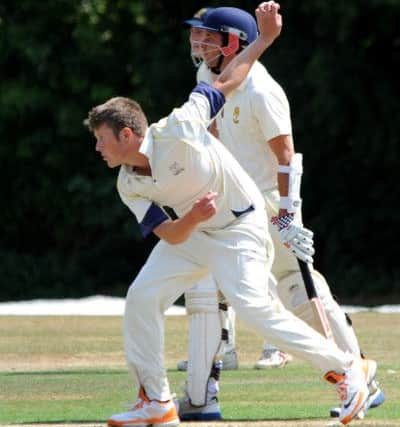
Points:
(227, 353)
(291, 290)
(293, 294)
(204, 337)
(294, 297)
(230, 356)
(207, 338)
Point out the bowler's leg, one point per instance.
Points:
(242, 280)
(161, 281)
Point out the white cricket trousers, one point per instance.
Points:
(239, 257)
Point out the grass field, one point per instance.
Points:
(58, 370)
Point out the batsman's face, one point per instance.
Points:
(196, 35)
(109, 146)
(210, 45)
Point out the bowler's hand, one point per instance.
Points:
(204, 208)
(269, 21)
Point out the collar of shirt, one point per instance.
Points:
(146, 146)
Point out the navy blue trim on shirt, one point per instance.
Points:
(171, 213)
(215, 97)
(240, 213)
(153, 218)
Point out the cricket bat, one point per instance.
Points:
(321, 321)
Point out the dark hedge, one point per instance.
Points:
(64, 229)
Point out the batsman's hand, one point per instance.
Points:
(204, 208)
(269, 20)
(295, 237)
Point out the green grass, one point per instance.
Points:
(72, 369)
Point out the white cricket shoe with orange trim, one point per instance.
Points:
(376, 395)
(147, 413)
(352, 388)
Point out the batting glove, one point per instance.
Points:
(295, 237)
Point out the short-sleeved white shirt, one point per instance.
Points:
(186, 162)
(253, 114)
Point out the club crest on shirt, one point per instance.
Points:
(176, 169)
(236, 114)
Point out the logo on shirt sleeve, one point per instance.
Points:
(176, 169)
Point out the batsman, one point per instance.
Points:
(255, 125)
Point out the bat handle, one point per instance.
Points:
(307, 279)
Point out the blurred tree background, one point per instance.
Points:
(64, 231)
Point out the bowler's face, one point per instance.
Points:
(109, 146)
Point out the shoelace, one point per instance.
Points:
(134, 405)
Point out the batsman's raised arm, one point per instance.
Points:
(270, 24)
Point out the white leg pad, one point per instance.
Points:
(205, 334)
(204, 338)
(293, 295)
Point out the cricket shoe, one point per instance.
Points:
(272, 358)
(374, 400)
(229, 362)
(147, 413)
(376, 395)
(209, 412)
(352, 388)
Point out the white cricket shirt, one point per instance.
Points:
(186, 162)
(253, 114)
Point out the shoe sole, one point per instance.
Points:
(173, 423)
(155, 422)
